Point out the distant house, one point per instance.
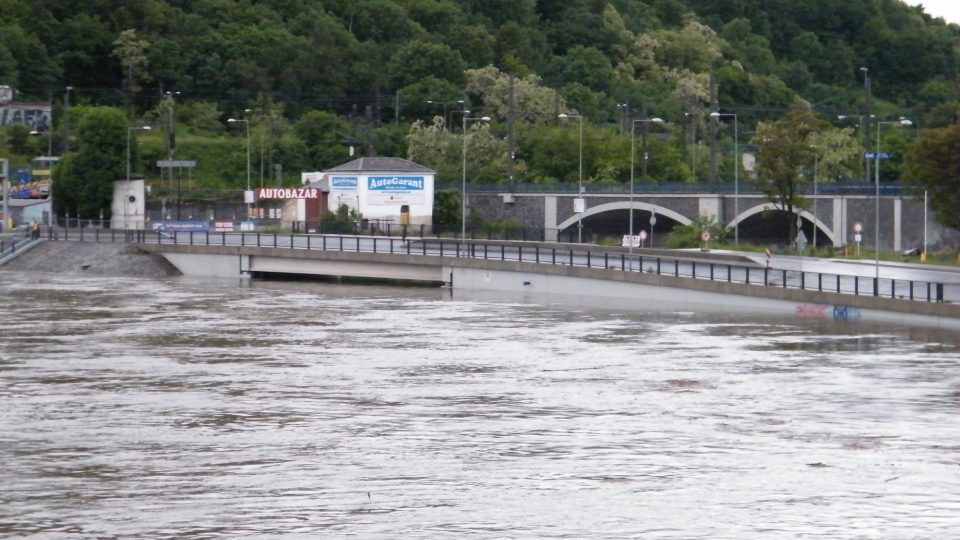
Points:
(385, 190)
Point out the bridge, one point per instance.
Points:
(730, 280)
(828, 217)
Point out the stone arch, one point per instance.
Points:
(750, 212)
(625, 205)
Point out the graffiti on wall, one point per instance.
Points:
(33, 115)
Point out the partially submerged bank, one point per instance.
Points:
(122, 260)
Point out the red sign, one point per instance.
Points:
(288, 193)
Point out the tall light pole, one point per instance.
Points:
(446, 119)
(463, 192)
(247, 124)
(50, 164)
(633, 125)
(126, 211)
(736, 174)
(876, 208)
(816, 167)
(66, 120)
(579, 177)
(868, 117)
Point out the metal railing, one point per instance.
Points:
(584, 256)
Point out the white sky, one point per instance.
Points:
(948, 9)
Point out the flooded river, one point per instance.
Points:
(136, 408)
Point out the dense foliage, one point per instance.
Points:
(315, 78)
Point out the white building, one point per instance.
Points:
(385, 190)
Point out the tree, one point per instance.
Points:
(84, 183)
(931, 164)
(132, 53)
(784, 152)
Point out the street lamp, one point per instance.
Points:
(816, 167)
(126, 211)
(633, 125)
(50, 164)
(446, 123)
(247, 124)
(736, 174)
(579, 177)
(463, 194)
(876, 209)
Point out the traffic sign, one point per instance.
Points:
(858, 227)
(705, 236)
(653, 219)
(876, 155)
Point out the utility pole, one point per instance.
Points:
(66, 120)
(714, 122)
(868, 88)
(646, 154)
(510, 149)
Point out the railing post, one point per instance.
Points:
(191, 238)
(623, 263)
(856, 285)
(711, 271)
(784, 278)
(940, 293)
(803, 280)
(341, 243)
(606, 261)
(520, 253)
(374, 244)
(911, 289)
(571, 257)
(676, 268)
(819, 282)
(693, 269)
(537, 253)
(766, 276)
(589, 261)
(838, 283)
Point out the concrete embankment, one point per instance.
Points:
(91, 258)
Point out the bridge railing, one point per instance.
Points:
(587, 256)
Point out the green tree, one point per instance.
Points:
(784, 153)
(132, 54)
(446, 207)
(420, 59)
(85, 177)
(931, 165)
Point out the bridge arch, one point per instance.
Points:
(624, 205)
(750, 212)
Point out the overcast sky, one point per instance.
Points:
(948, 9)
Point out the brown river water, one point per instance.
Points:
(179, 408)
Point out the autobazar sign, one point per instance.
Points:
(288, 193)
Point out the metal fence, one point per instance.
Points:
(597, 257)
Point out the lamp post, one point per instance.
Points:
(66, 120)
(446, 119)
(736, 174)
(816, 167)
(126, 211)
(463, 192)
(633, 125)
(247, 124)
(876, 208)
(50, 164)
(579, 176)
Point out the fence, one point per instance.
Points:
(579, 255)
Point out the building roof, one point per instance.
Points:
(381, 164)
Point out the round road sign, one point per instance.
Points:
(705, 236)
(643, 235)
(858, 226)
